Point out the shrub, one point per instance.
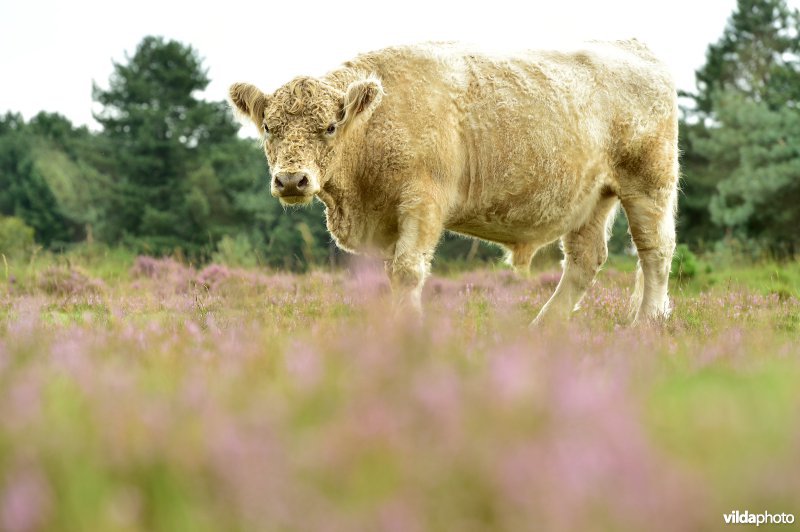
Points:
(235, 252)
(213, 275)
(167, 271)
(62, 281)
(157, 268)
(684, 263)
(16, 237)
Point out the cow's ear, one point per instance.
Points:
(249, 101)
(360, 100)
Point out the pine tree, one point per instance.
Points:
(758, 56)
(741, 145)
(760, 148)
(182, 178)
(158, 130)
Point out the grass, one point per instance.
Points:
(154, 396)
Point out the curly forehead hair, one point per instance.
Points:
(304, 96)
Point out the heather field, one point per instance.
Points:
(150, 395)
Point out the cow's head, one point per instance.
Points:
(302, 124)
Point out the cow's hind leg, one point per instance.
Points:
(651, 218)
(520, 256)
(585, 251)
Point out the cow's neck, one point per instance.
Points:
(339, 217)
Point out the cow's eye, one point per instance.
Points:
(266, 129)
(331, 129)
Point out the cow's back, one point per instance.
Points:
(519, 142)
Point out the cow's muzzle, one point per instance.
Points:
(292, 184)
(293, 187)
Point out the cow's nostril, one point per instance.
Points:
(278, 183)
(303, 183)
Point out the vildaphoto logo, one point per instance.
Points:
(746, 518)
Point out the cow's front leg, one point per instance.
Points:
(419, 231)
(407, 276)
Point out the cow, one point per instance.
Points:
(519, 149)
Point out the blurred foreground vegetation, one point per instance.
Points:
(151, 394)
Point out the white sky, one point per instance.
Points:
(50, 51)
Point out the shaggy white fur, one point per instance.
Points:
(518, 149)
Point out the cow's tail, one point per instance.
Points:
(638, 293)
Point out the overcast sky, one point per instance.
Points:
(50, 51)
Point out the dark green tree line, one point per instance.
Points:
(39, 166)
(167, 172)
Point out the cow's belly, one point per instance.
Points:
(523, 193)
(539, 214)
(504, 231)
